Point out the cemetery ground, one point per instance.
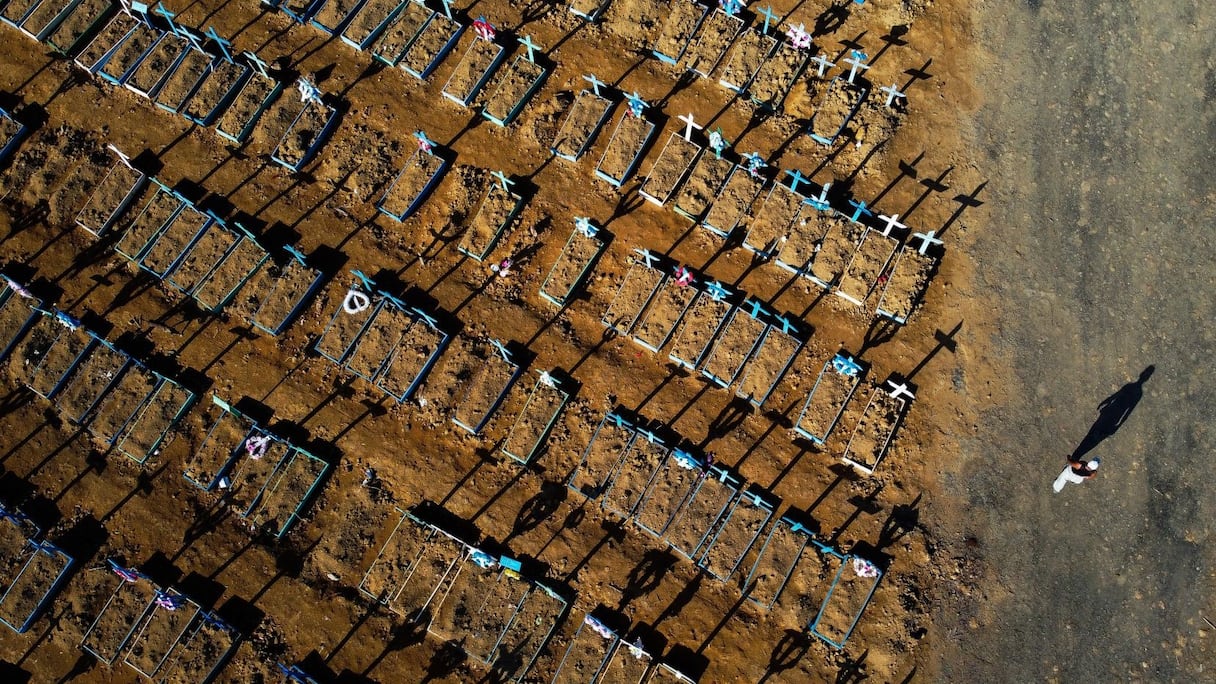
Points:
(297, 598)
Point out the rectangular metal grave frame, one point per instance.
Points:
(623, 664)
(887, 246)
(715, 492)
(144, 228)
(190, 71)
(11, 133)
(298, 493)
(634, 475)
(500, 117)
(683, 472)
(476, 232)
(128, 54)
(295, 284)
(524, 452)
(407, 524)
(348, 338)
(229, 423)
(724, 310)
(123, 408)
(828, 376)
(165, 389)
(795, 337)
(779, 223)
(785, 53)
(208, 629)
(58, 562)
(659, 196)
(708, 31)
(95, 13)
(633, 302)
(68, 348)
(472, 601)
(424, 64)
(846, 565)
(901, 408)
(646, 132)
(329, 120)
(359, 34)
(204, 113)
(677, 33)
(167, 42)
(45, 17)
(103, 43)
(828, 136)
(601, 473)
(514, 645)
(428, 325)
(435, 575)
(16, 316)
(342, 21)
(729, 77)
(782, 566)
(419, 160)
(199, 260)
(479, 76)
(746, 503)
(724, 225)
(581, 125)
(141, 594)
(724, 338)
(590, 10)
(263, 91)
(152, 616)
(590, 634)
(122, 180)
(77, 406)
(494, 625)
(798, 251)
(486, 390)
(670, 293)
(400, 33)
(174, 241)
(924, 266)
(704, 166)
(593, 246)
(229, 275)
(15, 12)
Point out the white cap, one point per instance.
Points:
(1093, 465)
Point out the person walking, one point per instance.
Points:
(1076, 472)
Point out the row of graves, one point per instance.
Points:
(185, 71)
(122, 402)
(195, 252)
(706, 513)
(32, 569)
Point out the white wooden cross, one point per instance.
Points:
(585, 226)
(900, 389)
(926, 239)
(649, 257)
(595, 83)
(257, 63)
(892, 222)
(892, 92)
(526, 41)
(823, 63)
(857, 61)
(821, 202)
(122, 157)
(689, 124)
(505, 182)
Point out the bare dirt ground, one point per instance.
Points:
(283, 594)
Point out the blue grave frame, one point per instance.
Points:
(798, 336)
(820, 439)
(693, 364)
(440, 54)
(544, 434)
(40, 33)
(523, 99)
(125, 640)
(99, 341)
(331, 120)
(244, 237)
(8, 146)
(163, 382)
(725, 231)
(574, 639)
(48, 549)
(847, 118)
(295, 260)
(480, 82)
(208, 221)
(594, 131)
(602, 486)
(124, 203)
(744, 497)
(723, 477)
(247, 127)
(10, 298)
(673, 461)
(845, 561)
(518, 369)
(100, 19)
(68, 327)
(342, 23)
(221, 105)
(151, 92)
(795, 527)
(675, 59)
(136, 255)
(561, 299)
(423, 193)
(755, 344)
(371, 37)
(151, 609)
(637, 157)
(233, 454)
(419, 318)
(394, 61)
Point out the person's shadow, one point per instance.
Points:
(1112, 413)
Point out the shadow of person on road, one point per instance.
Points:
(1112, 413)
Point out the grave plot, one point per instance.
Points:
(15, 532)
(111, 197)
(202, 256)
(331, 16)
(395, 559)
(92, 56)
(804, 236)
(612, 437)
(625, 148)
(397, 37)
(589, 10)
(869, 262)
(475, 67)
(879, 421)
(219, 87)
(292, 285)
(127, 54)
(703, 186)
(751, 50)
(205, 465)
(515, 86)
(540, 412)
(115, 624)
(682, 22)
(93, 377)
(637, 468)
(773, 357)
(588, 651)
(493, 379)
(45, 17)
(587, 115)
(498, 209)
(237, 266)
(259, 457)
(906, 284)
(776, 561)
(82, 19)
(828, 398)
(643, 279)
(666, 672)
(696, 521)
(51, 352)
(717, 33)
(578, 257)
(155, 635)
(432, 43)
(733, 201)
(381, 335)
(497, 610)
(627, 664)
(288, 491)
(150, 73)
(248, 104)
(667, 308)
(342, 332)
(835, 249)
(846, 600)
(160, 208)
(370, 21)
(11, 133)
(428, 577)
(177, 236)
(305, 135)
(740, 528)
(771, 224)
(31, 590)
(16, 315)
(527, 635)
(670, 169)
(298, 10)
(669, 489)
(152, 422)
(414, 356)
(835, 108)
(777, 75)
(202, 652)
(15, 12)
(700, 325)
(743, 333)
(478, 585)
(33, 332)
(124, 399)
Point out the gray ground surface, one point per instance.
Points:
(1097, 123)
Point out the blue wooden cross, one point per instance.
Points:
(395, 301)
(526, 41)
(821, 202)
(168, 15)
(754, 163)
(295, 254)
(649, 257)
(505, 182)
(796, 179)
(620, 420)
(718, 142)
(757, 308)
(637, 106)
(717, 291)
(425, 143)
(192, 35)
(731, 7)
(140, 9)
(595, 83)
(222, 43)
(859, 207)
(684, 458)
(650, 436)
(845, 365)
(502, 350)
(430, 320)
(769, 16)
(787, 325)
(447, 8)
(257, 63)
(367, 282)
(585, 226)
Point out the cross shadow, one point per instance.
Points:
(788, 652)
(646, 576)
(944, 341)
(1113, 412)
